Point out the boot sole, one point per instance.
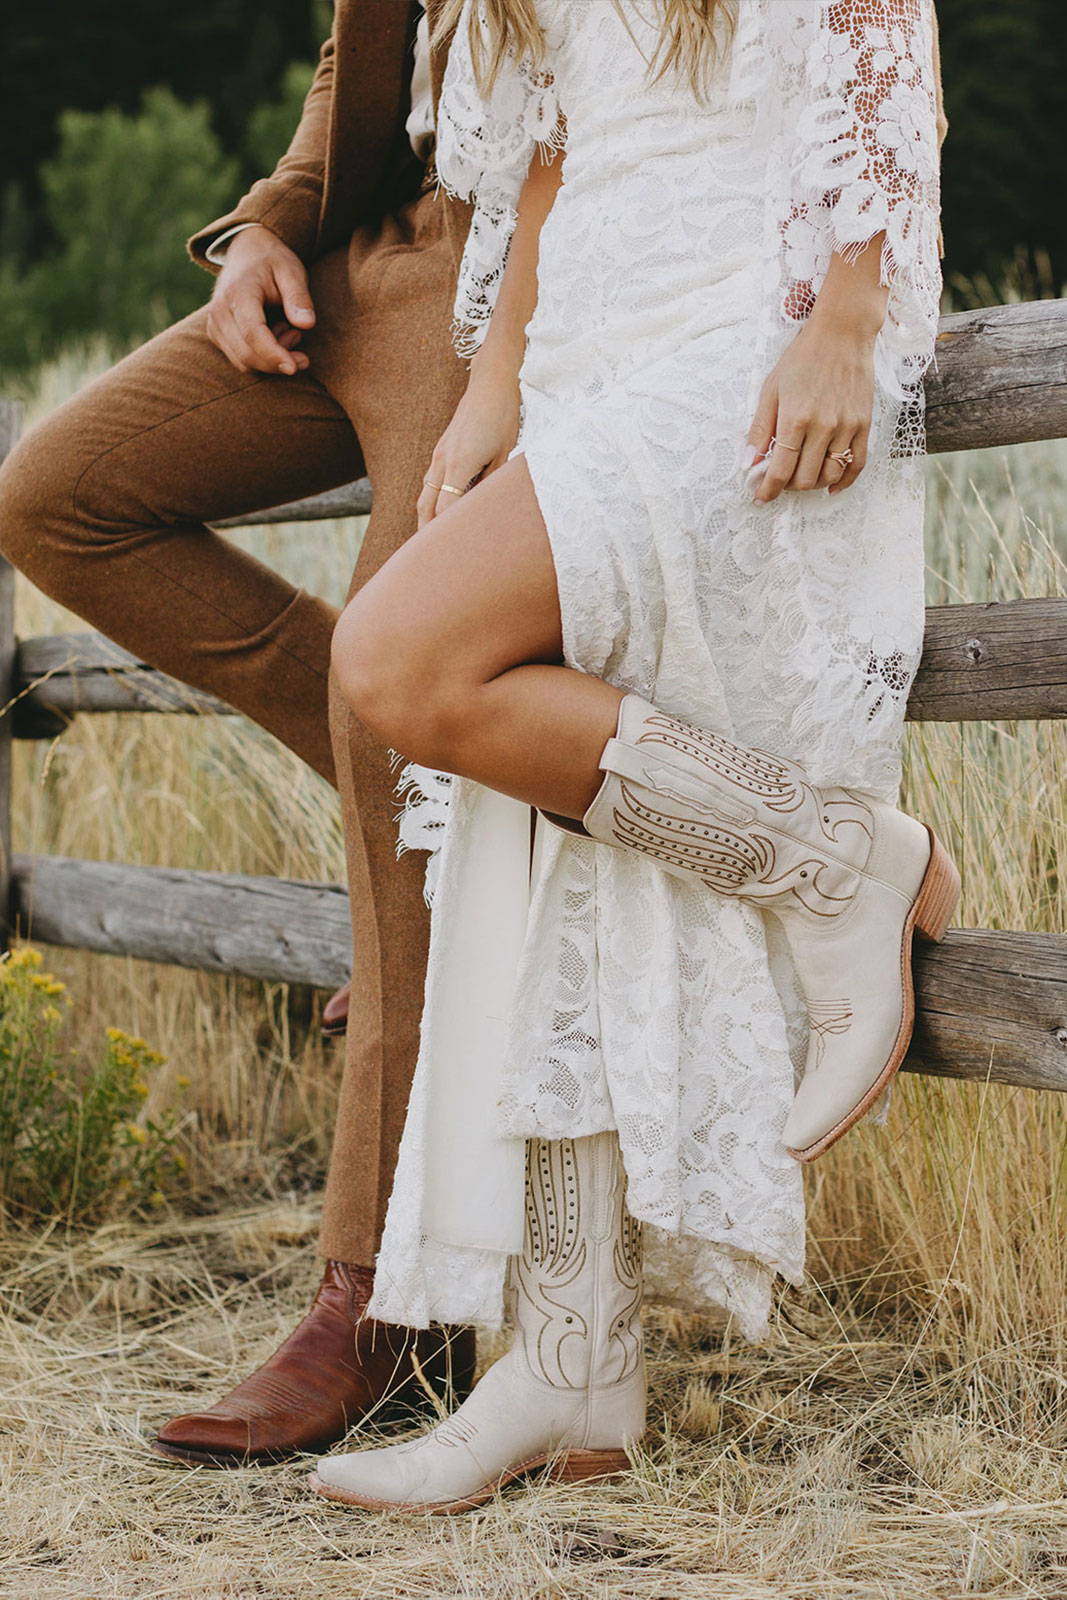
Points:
(934, 904)
(220, 1460)
(572, 1466)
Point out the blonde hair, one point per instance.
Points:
(686, 45)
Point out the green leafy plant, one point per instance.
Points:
(75, 1139)
(120, 196)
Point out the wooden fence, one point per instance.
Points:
(991, 1004)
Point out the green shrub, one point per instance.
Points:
(75, 1141)
(121, 196)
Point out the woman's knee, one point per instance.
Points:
(391, 682)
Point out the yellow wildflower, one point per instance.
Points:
(136, 1133)
(157, 1198)
(25, 956)
(182, 1081)
(139, 1087)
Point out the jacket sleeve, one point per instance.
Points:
(290, 200)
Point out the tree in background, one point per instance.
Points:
(1005, 77)
(72, 56)
(120, 197)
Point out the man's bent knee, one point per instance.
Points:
(40, 526)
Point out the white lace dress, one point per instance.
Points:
(683, 250)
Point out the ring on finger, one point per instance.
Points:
(443, 488)
(845, 457)
(782, 444)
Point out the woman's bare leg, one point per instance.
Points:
(452, 654)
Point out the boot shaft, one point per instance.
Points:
(743, 821)
(577, 1285)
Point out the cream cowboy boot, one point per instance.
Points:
(570, 1393)
(849, 878)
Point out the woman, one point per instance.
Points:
(678, 614)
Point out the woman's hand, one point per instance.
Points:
(479, 438)
(815, 404)
(818, 401)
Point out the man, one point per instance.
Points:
(324, 353)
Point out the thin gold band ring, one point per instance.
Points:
(782, 445)
(443, 488)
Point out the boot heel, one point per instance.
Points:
(939, 893)
(575, 1466)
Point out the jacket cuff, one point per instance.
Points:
(293, 215)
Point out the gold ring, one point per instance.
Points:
(845, 457)
(784, 446)
(445, 488)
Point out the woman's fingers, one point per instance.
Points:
(858, 446)
(450, 474)
(781, 465)
(833, 471)
(801, 459)
(447, 479)
(448, 494)
(763, 424)
(812, 459)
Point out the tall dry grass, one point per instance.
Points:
(902, 1434)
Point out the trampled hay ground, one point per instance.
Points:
(903, 1433)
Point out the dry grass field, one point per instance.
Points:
(902, 1434)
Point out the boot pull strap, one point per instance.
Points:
(671, 780)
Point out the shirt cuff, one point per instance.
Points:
(216, 250)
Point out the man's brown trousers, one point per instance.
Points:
(104, 506)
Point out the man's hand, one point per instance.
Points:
(261, 306)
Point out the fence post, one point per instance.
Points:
(10, 426)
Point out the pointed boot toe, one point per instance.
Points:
(858, 983)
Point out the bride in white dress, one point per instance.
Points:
(666, 601)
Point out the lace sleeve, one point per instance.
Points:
(867, 161)
(484, 147)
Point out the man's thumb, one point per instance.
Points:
(296, 300)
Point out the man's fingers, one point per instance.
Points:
(229, 340)
(258, 346)
(289, 339)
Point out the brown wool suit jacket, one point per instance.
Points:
(350, 161)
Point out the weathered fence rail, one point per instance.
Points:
(271, 928)
(991, 1004)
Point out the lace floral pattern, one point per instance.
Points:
(684, 247)
(483, 153)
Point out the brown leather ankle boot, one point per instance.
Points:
(334, 1369)
(335, 1013)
